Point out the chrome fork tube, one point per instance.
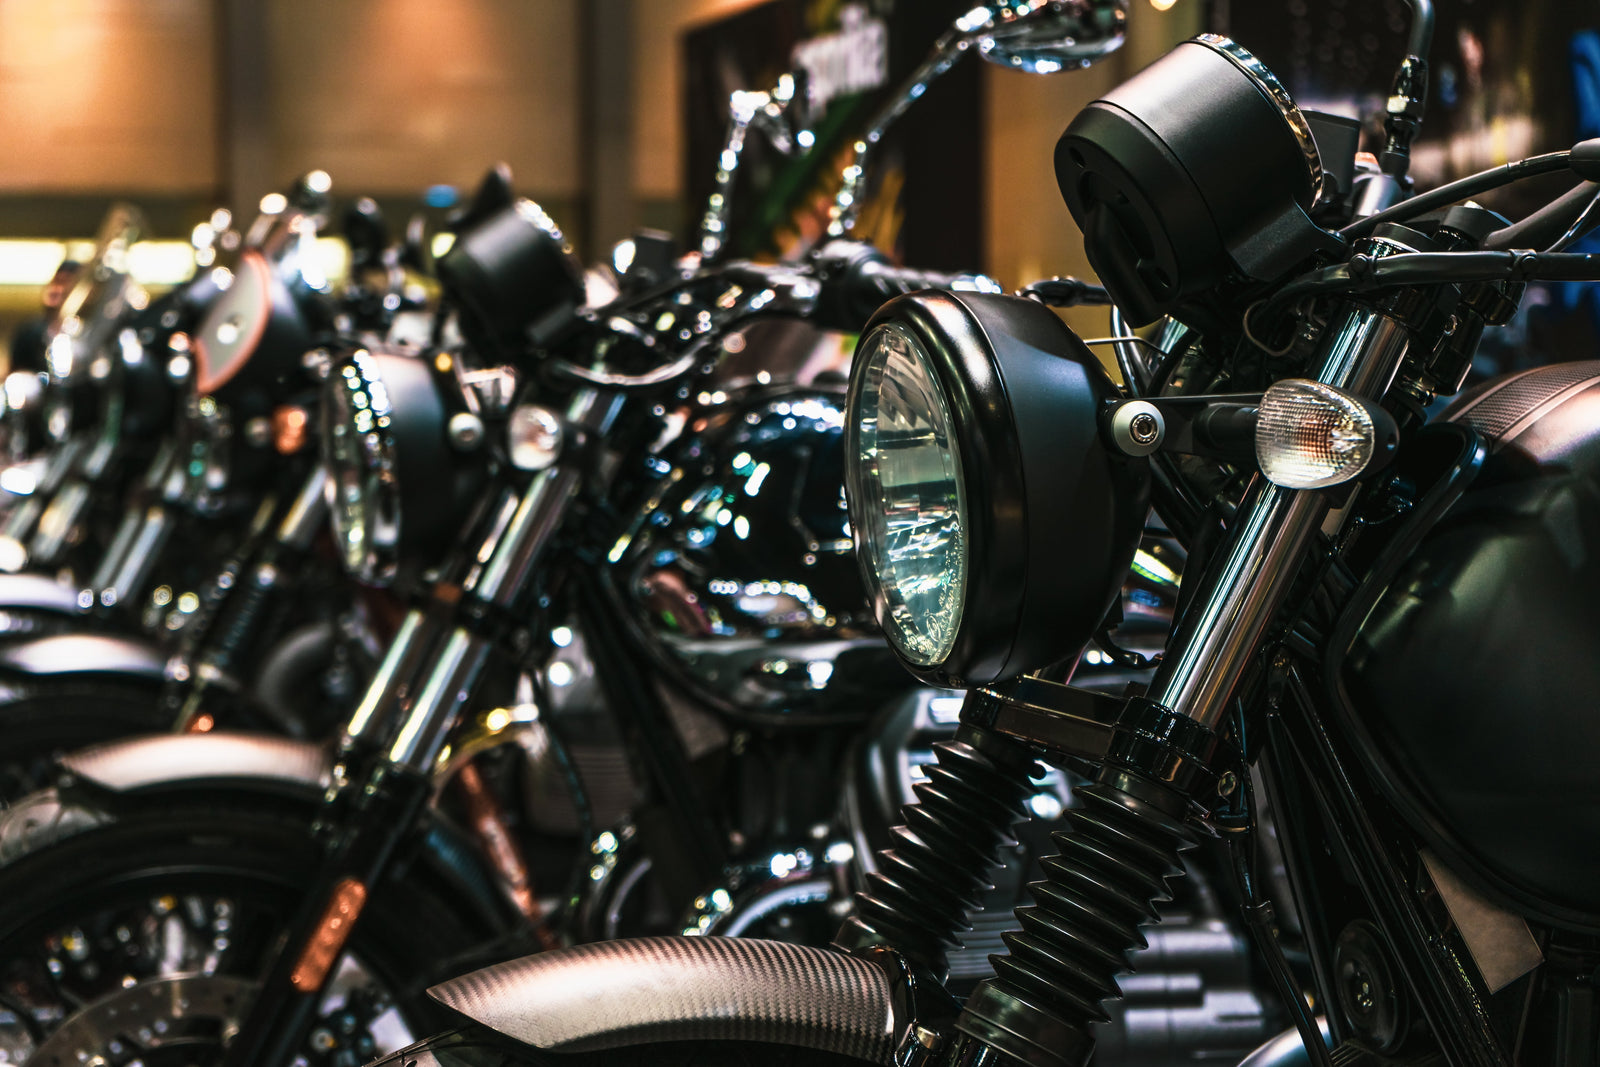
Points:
(128, 572)
(454, 673)
(58, 521)
(445, 691)
(1245, 587)
(432, 666)
(307, 511)
(400, 663)
(499, 583)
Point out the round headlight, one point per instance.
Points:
(910, 469)
(397, 488)
(252, 334)
(992, 526)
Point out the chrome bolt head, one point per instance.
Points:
(465, 431)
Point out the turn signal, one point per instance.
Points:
(1311, 436)
(327, 941)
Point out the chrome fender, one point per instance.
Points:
(35, 592)
(239, 768)
(85, 654)
(632, 992)
(143, 763)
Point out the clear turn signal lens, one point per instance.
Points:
(1311, 436)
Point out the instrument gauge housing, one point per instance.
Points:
(1197, 168)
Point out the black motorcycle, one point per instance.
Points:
(630, 494)
(204, 602)
(1367, 593)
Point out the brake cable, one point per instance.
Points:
(1580, 226)
(1363, 273)
(1237, 826)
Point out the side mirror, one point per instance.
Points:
(1040, 37)
(784, 114)
(1045, 38)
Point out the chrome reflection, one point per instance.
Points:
(739, 568)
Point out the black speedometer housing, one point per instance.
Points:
(513, 279)
(1197, 168)
(1053, 516)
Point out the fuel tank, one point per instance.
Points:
(738, 572)
(1475, 672)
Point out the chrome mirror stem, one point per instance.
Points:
(772, 112)
(1038, 36)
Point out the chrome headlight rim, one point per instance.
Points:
(1053, 518)
(1273, 89)
(360, 448)
(233, 326)
(386, 435)
(922, 642)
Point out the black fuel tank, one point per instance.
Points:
(738, 571)
(1477, 671)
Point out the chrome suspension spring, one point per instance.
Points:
(938, 867)
(1117, 854)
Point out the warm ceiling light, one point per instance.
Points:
(1162, 5)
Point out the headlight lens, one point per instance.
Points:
(358, 441)
(907, 503)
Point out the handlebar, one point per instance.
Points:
(856, 280)
(838, 289)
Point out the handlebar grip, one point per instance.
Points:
(857, 280)
(883, 280)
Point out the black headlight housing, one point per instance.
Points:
(249, 343)
(1052, 517)
(399, 489)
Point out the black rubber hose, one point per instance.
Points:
(1364, 275)
(1116, 857)
(1420, 39)
(1471, 185)
(938, 868)
(1543, 226)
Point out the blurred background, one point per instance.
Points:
(611, 113)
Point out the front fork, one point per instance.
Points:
(238, 601)
(382, 783)
(1162, 760)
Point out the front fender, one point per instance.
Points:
(617, 994)
(85, 655)
(32, 605)
(36, 592)
(237, 769)
(166, 762)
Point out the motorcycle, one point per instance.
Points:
(695, 625)
(203, 603)
(1368, 592)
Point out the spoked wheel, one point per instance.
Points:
(138, 942)
(163, 1021)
